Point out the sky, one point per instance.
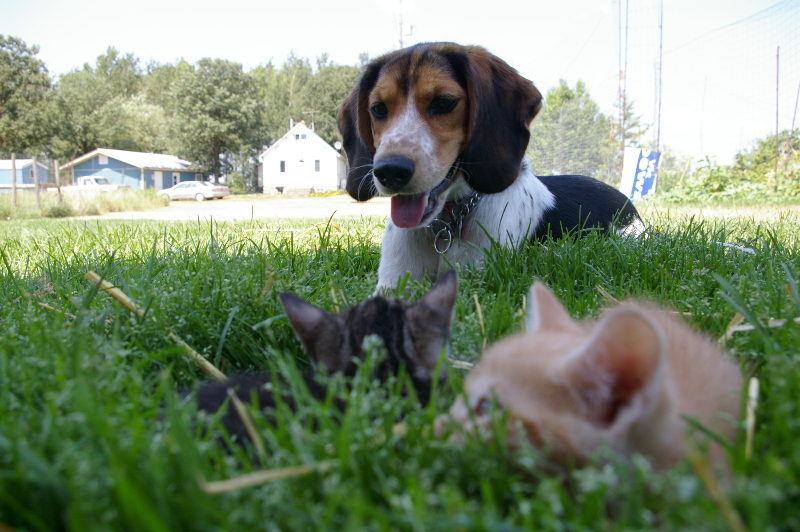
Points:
(718, 63)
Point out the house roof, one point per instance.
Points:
(148, 161)
(5, 164)
(298, 128)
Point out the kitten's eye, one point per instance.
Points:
(379, 110)
(442, 105)
(483, 406)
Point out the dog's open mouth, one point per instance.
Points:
(411, 210)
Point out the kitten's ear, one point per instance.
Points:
(545, 311)
(316, 329)
(442, 296)
(617, 373)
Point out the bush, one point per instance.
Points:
(58, 210)
(752, 176)
(237, 183)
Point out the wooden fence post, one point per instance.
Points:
(36, 183)
(58, 181)
(14, 179)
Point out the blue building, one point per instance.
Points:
(132, 168)
(24, 173)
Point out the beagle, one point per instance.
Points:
(442, 129)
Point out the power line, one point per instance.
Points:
(748, 18)
(583, 46)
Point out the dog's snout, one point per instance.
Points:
(394, 171)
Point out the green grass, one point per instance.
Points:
(94, 435)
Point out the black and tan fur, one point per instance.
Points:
(414, 334)
(435, 123)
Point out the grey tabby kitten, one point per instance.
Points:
(414, 335)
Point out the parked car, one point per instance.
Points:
(93, 183)
(197, 190)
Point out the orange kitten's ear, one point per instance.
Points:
(317, 331)
(617, 373)
(545, 311)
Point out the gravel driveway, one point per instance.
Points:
(232, 209)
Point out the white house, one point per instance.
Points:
(300, 160)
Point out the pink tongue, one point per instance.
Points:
(407, 211)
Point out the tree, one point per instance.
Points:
(329, 87)
(283, 93)
(297, 91)
(630, 135)
(217, 112)
(160, 80)
(571, 135)
(106, 106)
(80, 102)
(25, 90)
(121, 72)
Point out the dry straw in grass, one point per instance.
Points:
(258, 478)
(703, 471)
(750, 416)
(205, 366)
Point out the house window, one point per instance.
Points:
(303, 136)
(316, 165)
(102, 159)
(175, 178)
(297, 136)
(283, 166)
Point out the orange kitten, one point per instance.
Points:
(625, 381)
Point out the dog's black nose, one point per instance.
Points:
(394, 171)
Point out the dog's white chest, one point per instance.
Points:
(509, 218)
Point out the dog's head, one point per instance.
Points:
(418, 110)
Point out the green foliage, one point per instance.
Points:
(217, 111)
(24, 97)
(103, 106)
(572, 135)
(95, 435)
(237, 183)
(212, 113)
(58, 210)
(296, 91)
(752, 175)
(121, 72)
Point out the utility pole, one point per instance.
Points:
(777, 95)
(796, 99)
(402, 33)
(660, 69)
(623, 71)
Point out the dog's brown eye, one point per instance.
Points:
(441, 105)
(379, 110)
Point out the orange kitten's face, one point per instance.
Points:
(569, 386)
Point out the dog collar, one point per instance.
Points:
(448, 224)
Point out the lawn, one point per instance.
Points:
(94, 433)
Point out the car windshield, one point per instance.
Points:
(102, 181)
(207, 183)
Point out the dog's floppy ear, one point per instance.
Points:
(502, 105)
(356, 129)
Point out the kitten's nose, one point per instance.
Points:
(394, 171)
